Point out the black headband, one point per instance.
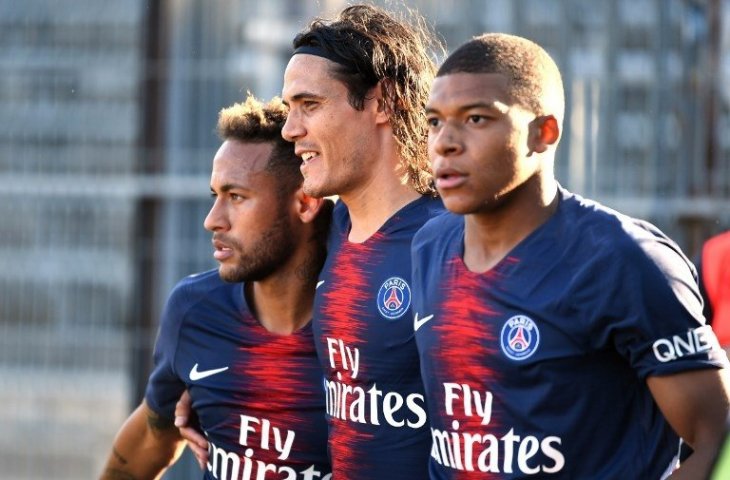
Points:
(322, 52)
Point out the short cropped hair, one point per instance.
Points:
(374, 46)
(255, 122)
(534, 78)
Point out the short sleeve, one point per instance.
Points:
(659, 328)
(165, 386)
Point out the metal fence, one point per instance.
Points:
(108, 108)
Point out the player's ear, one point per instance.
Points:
(544, 131)
(307, 207)
(384, 103)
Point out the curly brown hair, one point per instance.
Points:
(258, 122)
(374, 46)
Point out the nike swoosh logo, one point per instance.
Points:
(197, 375)
(418, 323)
(319, 284)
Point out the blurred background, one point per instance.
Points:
(107, 116)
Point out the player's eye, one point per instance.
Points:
(476, 119)
(310, 104)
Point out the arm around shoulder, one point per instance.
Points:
(696, 404)
(144, 447)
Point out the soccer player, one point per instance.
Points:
(356, 88)
(557, 338)
(239, 338)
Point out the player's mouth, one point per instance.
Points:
(222, 251)
(307, 156)
(447, 178)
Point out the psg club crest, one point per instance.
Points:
(394, 298)
(519, 338)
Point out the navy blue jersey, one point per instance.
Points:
(258, 395)
(538, 366)
(362, 328)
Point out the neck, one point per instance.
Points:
(373, 202)
(489, 236)
(282, 302)
(369, 211)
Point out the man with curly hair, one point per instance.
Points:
(356, 86)
(239, 338)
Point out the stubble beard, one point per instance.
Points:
(338, 182)
(265, 256)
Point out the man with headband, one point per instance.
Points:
(356, 87)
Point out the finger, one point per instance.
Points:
(193, 436)
(183, 406)
(200, 453)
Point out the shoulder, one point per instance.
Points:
(424, 209)
(193, 289)
(603, 229)
(619, 242)
(439, 231)
(198, 284)
(433, 207)
(406, 222)
(187, 294)
(340, 216)
(442, 221)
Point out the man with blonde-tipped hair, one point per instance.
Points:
(356, 86)
(239, 338)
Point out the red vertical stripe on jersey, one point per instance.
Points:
(270, 390)
(463, 335)
(342, 318)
